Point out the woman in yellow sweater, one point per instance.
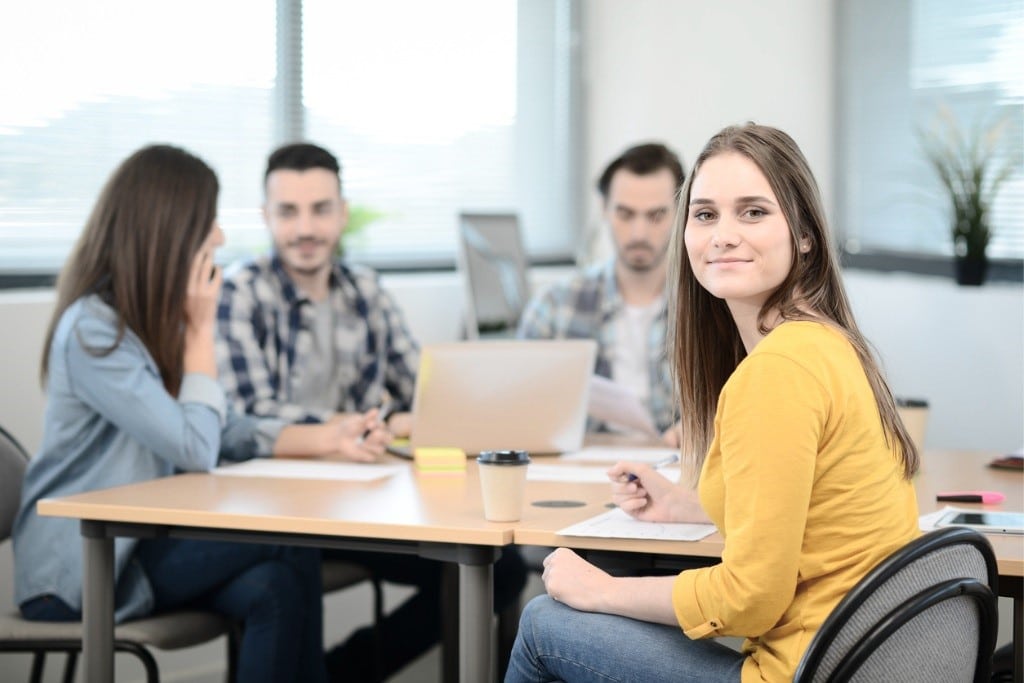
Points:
(804, 464)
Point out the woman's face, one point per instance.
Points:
(737, 238)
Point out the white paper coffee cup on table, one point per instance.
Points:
(503, 484)
(914, 414)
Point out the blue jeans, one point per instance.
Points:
(275, 591)
(558, 643)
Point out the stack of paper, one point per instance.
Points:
(440, 460)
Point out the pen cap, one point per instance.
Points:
(503, 458)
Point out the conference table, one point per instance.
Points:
(439, 517)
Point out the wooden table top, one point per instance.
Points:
(406, 506)
(448, 509)
(940, 471)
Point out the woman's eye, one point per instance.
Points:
(703, 215)
(755, 212)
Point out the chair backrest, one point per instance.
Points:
(926, 613)
(13, 462)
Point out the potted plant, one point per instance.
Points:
(359, 218)
(964, 164)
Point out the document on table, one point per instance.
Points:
(307, 469)
(581, 473)
(617, 524)
(613, 454)
(613, 403)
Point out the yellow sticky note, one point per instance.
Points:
(439, 459)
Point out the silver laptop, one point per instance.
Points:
(526, 395)
(492, 263)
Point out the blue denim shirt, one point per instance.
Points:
(110, 421)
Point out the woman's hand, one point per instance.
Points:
(204, 281)
(572, 580)
(203, 290)
(651, 497)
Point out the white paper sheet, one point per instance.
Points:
(617, 524)
(286, 468)
(615, 404)
(581, 474)
(613, 454)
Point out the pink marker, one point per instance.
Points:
(987, 497)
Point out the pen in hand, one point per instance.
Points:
(657, 465)
(386, 411)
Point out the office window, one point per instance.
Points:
(433, 116)
(87, 83)
(894, 75)
(430, 117)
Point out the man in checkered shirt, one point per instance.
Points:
(305, 337)
(621, 303)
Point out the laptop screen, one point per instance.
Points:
(503, 395)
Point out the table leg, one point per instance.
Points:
(476, 605)
(97, 604)
(1018, 639)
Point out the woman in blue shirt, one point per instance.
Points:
(132, 395)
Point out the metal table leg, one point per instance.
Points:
(97, 603)
(476, 605)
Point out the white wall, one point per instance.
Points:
(680, 71)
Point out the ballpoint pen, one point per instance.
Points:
(386, 411)
(657, 465)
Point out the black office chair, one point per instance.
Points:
(926, 613)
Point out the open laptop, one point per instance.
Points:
(526, 395)
(492, 263)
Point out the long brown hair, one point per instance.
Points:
(136, 250)
(707, 345)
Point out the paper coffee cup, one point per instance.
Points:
(503, 484)
(914, 413)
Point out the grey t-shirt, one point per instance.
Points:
(318, 385)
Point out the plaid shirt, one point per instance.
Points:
(265, 332)
(585, 307)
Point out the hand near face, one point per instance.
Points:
(570, 579)
(204, 282)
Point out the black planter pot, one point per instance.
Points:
(971, 271)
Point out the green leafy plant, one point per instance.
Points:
(359, 218)
(964, 163)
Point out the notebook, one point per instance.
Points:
(526, 395)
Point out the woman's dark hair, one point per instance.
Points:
(136, 251)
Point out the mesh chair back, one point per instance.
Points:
(13, 462)
(926, 613)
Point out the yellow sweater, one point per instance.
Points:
(807, 495)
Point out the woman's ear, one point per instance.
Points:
(805, 245)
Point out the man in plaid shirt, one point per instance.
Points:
(621, 303)
(305, 337)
